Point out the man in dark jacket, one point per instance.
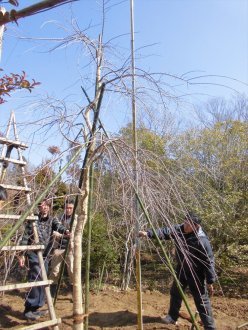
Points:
(45, 226)
(195, 267)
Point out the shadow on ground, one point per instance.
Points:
(6, 313)
(119, 319)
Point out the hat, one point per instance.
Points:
(190, 216)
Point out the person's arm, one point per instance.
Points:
(163, 233)
(58, 227)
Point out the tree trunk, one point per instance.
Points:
(78, 316)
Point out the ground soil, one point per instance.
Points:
(114, 309)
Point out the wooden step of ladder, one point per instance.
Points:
(13, 161)
(9, 287)
(19, 188)
(16, 217)
(22, 247)
(16, 144)
(42, 325)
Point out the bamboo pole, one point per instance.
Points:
(193, 325)
(37, 201)
(136, 206)
(88, 250)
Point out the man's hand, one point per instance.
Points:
(210, 289)
(143, 234)
(67, 233)
(21, 261)
(56, 234)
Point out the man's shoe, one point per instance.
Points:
(41, 313)
(31, 316)
(168, 320)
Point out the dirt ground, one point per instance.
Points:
(113, 309)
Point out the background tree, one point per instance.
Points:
(213, 163)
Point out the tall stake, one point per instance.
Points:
(137, 242)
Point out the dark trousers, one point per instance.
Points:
(200, 294)
(35, 298)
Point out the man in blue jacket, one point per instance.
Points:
(46, 224)
(195, 267)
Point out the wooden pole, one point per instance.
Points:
(136, 206)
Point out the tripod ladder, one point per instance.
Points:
(5, 160)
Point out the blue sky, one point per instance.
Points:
(203, 37)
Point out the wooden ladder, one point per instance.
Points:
(5, 159)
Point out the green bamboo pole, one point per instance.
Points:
(193, 325)
(136, 206)
(156, 236)
(37, 201)
(88, 250)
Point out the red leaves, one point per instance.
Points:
(13, 82)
